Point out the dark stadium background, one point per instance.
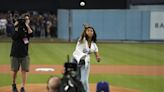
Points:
(53, 5)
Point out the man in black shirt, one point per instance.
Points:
(19, 50)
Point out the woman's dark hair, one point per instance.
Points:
(84, 35)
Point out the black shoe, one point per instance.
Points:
(22, 89)
(14, 88)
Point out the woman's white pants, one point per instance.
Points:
(85, 76)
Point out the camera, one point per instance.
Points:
(69, 81)
(21, 23)
(70, 69)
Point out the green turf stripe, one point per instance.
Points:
(143, 83)
(126, 54)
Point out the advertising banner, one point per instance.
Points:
(157, 25)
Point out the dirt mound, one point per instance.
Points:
(97, 69)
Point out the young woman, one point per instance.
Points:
(85, 46)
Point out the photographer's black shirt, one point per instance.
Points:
(19, 45)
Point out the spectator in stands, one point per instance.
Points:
(3, 23)
(9, 28)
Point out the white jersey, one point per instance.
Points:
(82, 50)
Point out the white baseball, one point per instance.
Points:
(82, 3)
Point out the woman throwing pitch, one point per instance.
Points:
(85, 46)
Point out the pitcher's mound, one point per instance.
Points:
(42, 88)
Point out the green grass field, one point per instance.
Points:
(55, 53)
(111, 53)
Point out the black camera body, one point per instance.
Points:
(70, 66)
(70, 69)
(21, 23)
(70, 82)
